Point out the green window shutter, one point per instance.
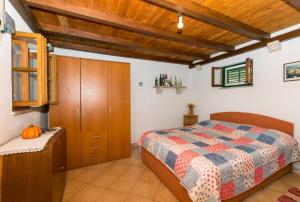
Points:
(236, 75)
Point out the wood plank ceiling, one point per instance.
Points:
(147, 29)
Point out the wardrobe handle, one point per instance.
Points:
(82, 111)
(109, 110)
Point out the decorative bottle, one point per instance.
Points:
(156, 81)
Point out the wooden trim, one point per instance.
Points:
(293, 3)
(207, 15)
(84, 13)
(174, 185)
(25, 103)
(213, 69)
(118, 41)
(53, 89)
(249, 71)
(26, 14)
(23, 69)
(283, 37)
(256, 120)
(105, 51)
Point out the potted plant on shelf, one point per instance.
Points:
(191, 108)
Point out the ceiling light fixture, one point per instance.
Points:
(180, 23)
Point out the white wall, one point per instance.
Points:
(11, 125)
(269, 95)
(148, 110)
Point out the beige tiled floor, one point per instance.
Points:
(129, 180)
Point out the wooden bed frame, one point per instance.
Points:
(173, 183)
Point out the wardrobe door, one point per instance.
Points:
(119, 107)
(94, 111)
(66, 114)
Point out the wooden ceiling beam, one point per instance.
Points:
(293, 3)
(84, 13)
(118, 41)
(281, 38)
(26, 14)
(94, 49)
(209, 16)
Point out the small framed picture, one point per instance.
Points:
(291, 71)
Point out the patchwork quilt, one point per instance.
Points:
(217, 160)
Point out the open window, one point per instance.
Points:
(240, 74)
(29, 70)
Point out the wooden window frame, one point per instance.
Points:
(41, 69)
(249, 74)
(213, 79)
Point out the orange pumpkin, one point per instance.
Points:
(31, 132)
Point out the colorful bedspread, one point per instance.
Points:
(217, 160)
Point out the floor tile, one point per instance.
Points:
(258, 196)
(164, 195)
(137, 199)
(139, 162)
(134, 172)
(102, 167)
(277, 186)
(112, 196)
(118, 169)
(104, 180)
(87, 176)
(150, 177)
(74, 173)
(273, 195)
(88, 194)
(145, 190)
(123, 185)
(292, 180)
(73, 188)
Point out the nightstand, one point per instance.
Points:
(190, 120)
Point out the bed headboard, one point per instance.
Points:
(256, 120)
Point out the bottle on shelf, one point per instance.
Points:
(156, 81)
(160, 80)
(175, 82)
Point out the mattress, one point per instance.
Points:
(217, 160)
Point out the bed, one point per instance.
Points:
(226, 158)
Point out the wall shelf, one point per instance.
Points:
(160, 89)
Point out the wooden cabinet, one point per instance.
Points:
(190, 120)
(67, 113)
(119, 108)
(94, 111)
(29, 70)
(35, 176)
(94, 108)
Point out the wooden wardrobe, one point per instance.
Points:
(94, 108)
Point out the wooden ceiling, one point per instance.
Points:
(147, 29)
